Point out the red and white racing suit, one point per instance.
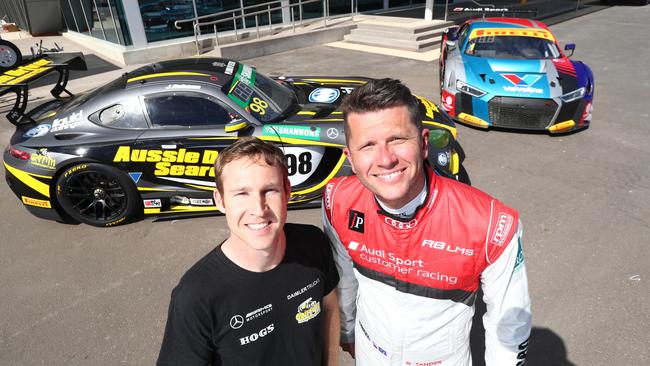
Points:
(408, 286)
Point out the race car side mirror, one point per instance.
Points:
(236, 125)
(570, 47)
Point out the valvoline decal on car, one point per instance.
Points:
(520, 78)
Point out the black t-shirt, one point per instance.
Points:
(222, 314)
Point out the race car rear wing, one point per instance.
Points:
(17, 79)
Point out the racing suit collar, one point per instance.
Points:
(403, 213)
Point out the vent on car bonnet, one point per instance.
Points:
(529, 113)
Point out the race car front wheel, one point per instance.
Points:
(97, 195)
(10, 55)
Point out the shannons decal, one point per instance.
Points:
(171, 162)
(300, 132)
(308, 310)
(22, 73)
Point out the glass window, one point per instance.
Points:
(97, 28)
(309, 11)
(159, 18)
(230, 7)
(266, 100)
(512, 47)
(192, 110)
(337, 7)
(462, 34)
(255, 6)
(103, 19)
(123, 115)
(366, 5)
(117, 10)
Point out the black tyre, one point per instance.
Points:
(10, 55)
(98, 195)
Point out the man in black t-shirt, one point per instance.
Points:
(265, 295)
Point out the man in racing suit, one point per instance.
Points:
(412, 248)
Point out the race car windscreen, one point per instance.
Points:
(259, 95)
(512, 47)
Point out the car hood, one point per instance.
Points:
(513, 78)
(320, 98)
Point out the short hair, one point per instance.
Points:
(251, 148)
(380, 94)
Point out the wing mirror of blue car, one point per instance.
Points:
(570, 47)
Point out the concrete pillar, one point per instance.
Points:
(286, 12)
(428, 10)
(134, 20)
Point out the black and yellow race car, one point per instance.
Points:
(145, 143)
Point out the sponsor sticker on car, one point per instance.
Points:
(40, 130)
(298, 132)
(324, 95)
(241, 89)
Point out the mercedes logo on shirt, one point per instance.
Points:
(236, 321)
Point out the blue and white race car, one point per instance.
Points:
(511, 73)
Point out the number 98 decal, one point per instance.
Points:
(302, 162)
(258, 106)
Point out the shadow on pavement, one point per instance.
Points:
(545, 346)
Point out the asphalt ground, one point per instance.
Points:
(78, 295)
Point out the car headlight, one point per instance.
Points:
(465, 88)
(576, 94)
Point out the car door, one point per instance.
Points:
(186, 132)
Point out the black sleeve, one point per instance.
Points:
(311, 244)
(329, 268)
(187, 339)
